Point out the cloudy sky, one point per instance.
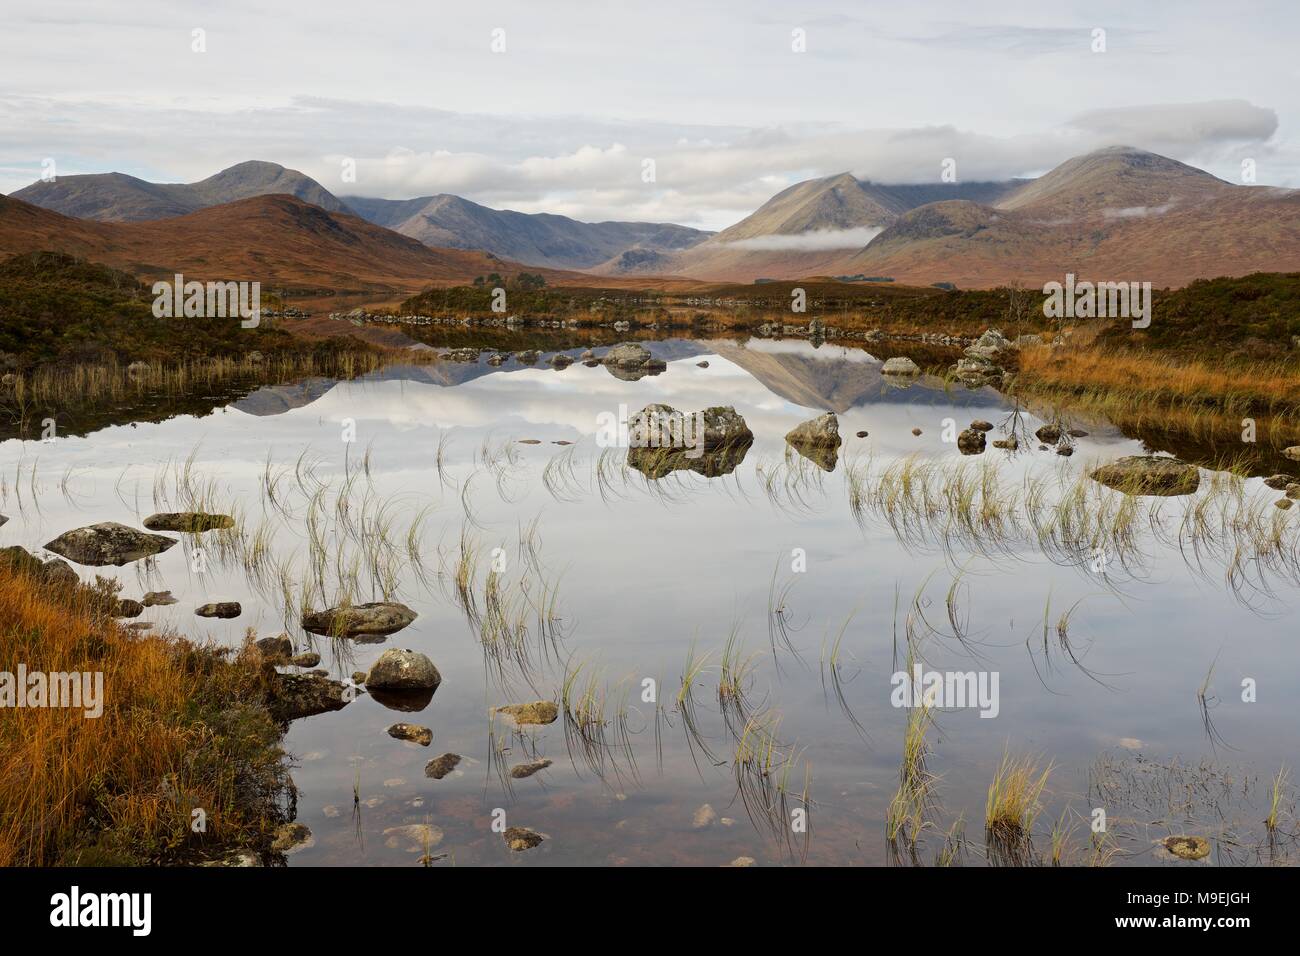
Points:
(564, 117)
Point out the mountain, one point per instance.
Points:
(1114, 214)
(810, 228)
(537, 239)
(116, 197)
(278, 240)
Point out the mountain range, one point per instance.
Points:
(1116, 213)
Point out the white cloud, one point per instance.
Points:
(815, 240)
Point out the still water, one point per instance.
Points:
(1121, 669)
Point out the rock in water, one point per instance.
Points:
(439, 767)
(525, 770)
(127, 608)
(1188, 847)
(276, 650)
(222, 609)
(538, 712)
(412, 732)
(971, 442)
(403, 669)
(305, 659)
(289, 836)
(1149, 475)
(522, 838)
(293, 696)
(704, 817)
(108, 543)
(157, 598)
(900, 365)
(191, 522)
(1049, 434)
(822, 431)
(376, 619)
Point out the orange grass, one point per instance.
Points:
(182, 728)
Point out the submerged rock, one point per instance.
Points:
(900, 365)
(971, 442)
(108, 543)
(1187, 847)
(403, 669)
(522, 838)
(412, 732)
(538, 712)
(524, 770)
(377, 619)
(190, 522)
(413, 837)
(1279, 482)
(1049, 434)
(439, 767)
(222, 609)
(743, 861)
(704, 817)
(1149, 475)
(158, 598)
(305, 659)
(293, 696)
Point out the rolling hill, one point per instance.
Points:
(536, 239)
(278, 240)
(116, 197)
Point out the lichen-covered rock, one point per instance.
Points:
(403, 669)
(108, 543)
(376, 619)
(305, 659)
(1149, 475)
(188, 522)
(412, 732)
(538, 712)
(971, 442)
(522, 838)
(293, 696)
(275, 649)
(900, 365)
(981, 426)
(1279, 482)
(822, 431)
(439, 767)
(290, 836)
(524, 770)
(125, 607)
(157, 598)
(1187, 847)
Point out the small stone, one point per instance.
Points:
(538, 712)
(862, 434)
(900, 365)
(412, 732)
(1048, 434)
(743, 861)
(127, 608)
(158, 598)
(701, 364)
(305, 659)
(524, 770)
(1008, 443)
(439, 767)
(522, 838)
(222, 609)
(1283, 503)
(916, 431)
(1279, 482)
(981, 426)
(276, 649)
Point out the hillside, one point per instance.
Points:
(278, 240)
(116, 197)
(531, 239)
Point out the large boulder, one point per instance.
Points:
(377, 619)
(720, 425)
(1149, 475)
(630, 361)
(989, 346)
(108, 543)
(403, 669)
(192, 522)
